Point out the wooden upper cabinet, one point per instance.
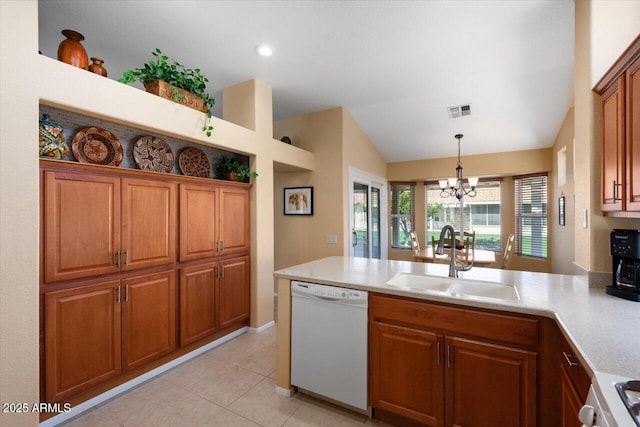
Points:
(633, 136)
(619, 90)
(234, 220)
(82, 338)
(489, 385)
(81, 219)
(148, 223)
(234, 291)
(613, 153)
(198, 221)
(148, 318)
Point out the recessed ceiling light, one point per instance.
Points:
(264, 50)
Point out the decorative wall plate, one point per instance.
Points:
(194, 162)
(97, 146)
(153, 154)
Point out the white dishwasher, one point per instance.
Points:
(329, 342)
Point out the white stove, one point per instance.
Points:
(613, 401)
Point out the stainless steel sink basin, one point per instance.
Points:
(454, 287)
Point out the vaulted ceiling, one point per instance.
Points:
(395, 65)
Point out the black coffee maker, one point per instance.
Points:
(625, 253)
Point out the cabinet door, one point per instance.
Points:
(198, 302)
(571, 402)
(488, 385)
(148, 318)
(234, 291)
(613, 128)
(148, 223)
(82, 338)
(633, 136)
(406, 372)
(234, 220)
(198, 221)
(81, 225)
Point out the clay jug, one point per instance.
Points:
(96, 67)
(71, 50)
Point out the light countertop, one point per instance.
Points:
(605, 330)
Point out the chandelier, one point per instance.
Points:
(454, 187)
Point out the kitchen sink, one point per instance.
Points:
(454, 287)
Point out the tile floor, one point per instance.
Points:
(230, 385)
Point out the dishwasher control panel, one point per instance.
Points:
(329, 292)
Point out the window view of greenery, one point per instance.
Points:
(481, 214)
(401, 215)
(531, 216)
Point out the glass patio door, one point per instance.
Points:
(367, 218)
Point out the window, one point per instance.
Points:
(531, 215)
(481, 213)
(402, 202)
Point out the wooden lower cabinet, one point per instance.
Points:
(571, 401)
(406, 372)
(148, 318)
(82, 338)
(234, 296)
(489, 385)
(93, 333)
(198, 302)
(421, 374)
(213, 295)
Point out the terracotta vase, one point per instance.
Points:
(71, 50)
(97, 68)
(232, 176)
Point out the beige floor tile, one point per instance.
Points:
(227, 418)
(225, 386)
(267, 337)
(186, 409)
(372, 422)
(235, 349)
(262, 405)
(273, 374)
(320, 416)
(95, 418)
(262, 360)
(194, 370)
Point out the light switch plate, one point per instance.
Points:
(332, 239)
(585, 218)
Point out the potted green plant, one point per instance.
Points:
(231, 169)
(181, 84)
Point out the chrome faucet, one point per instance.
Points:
(453, 267)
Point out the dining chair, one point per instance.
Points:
(469, 250)
(415, 244)
(447, 251)
(509, 249)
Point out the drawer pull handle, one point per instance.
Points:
(568, 357)
(118, 295)
(118, 259)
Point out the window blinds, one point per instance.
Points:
(531, 215)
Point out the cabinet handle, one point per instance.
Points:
(448, 356)
(118, 259)
(221, 270)
(126, 293)
(568, 357)
(222, 245)
(126, 257)
(118, 295)
(615, 190)
(438, 351)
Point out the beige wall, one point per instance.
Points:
(338, 143)
(603, 30)
(498, 164)
(563, 253)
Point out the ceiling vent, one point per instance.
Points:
(459, 111)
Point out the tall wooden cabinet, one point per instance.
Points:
(619, 89)
(438, 365)
(133, 264)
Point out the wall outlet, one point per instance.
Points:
(332, 239)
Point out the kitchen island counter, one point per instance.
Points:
(603, 329)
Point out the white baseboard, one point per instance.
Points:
(262, 328)
(110, 394)
(286, 392)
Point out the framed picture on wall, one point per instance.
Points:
(298, 201)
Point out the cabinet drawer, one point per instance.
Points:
(461, 321)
